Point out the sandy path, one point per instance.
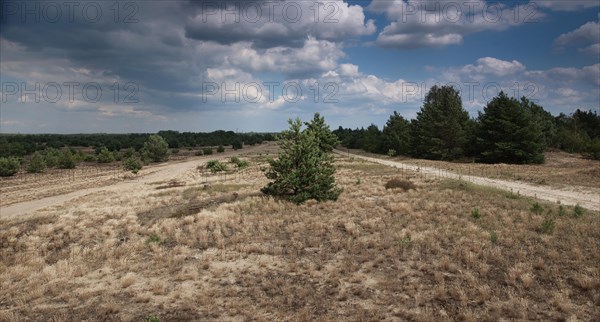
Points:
(161, 172)
(567, 197)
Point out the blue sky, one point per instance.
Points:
(239, 65)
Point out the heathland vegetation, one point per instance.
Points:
(38, 152)
(508, 131)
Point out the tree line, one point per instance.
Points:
(20, 145)
(508, 130)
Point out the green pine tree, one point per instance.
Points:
(302, 170)
(396, 135)
(327, 140)
(156, 149)
(509, 132)
(440, 129)
(37, 163)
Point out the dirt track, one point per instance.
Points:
(567, 197)
(163, 172)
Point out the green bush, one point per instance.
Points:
(132, 164)
(237, 144)
(105, 156)
(67, 160)
(216, 166)
(51, 157)
(547, 225)
(37, 163)
(578, 211)
(475, 213)
(392, 152)
(220, 149)
(240, 164)
(199, 153)
(89, 158)
(9, 166)
(156, 149)
(536, 209)
(207, 151)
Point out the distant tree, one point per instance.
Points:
(156, 149)
(207, 151)
(67, 160)
(51, 157)
(9, 166)
(302, 170)
(509, 132)
(132, 164)
(372, 140)
(237, 144)
(105, 156)
(327, 141)
(36, 163)
(439, 130)
(396, 135)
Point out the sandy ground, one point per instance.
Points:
(159, 173)
(572, 196)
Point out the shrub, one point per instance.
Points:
(156, 149)
(67, 160)
(129, 153)
(216, 166)
(240, 164)
(207, 151)
(475, 213)
(561, 211)
(392, 152)
(220, 149)
(132, 164)
(199, 153)
(493, 237)
(536, 209)
(9, 166)
(51, 157)
(547, 225)
(89, 158)
(105, 156)
(236, 145)
(37, 163)
(399, 183)
(578, 211)
(174, 151)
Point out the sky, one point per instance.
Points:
(144, 66)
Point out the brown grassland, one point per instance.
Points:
(560, 169)
(189, 250)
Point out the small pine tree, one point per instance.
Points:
(156, 149)
(51, 157)
(9, 166)
(67, 160)
(105, 156)
(302, 170)
(37, 163)
(132, 164)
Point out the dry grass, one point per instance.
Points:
(373, 255)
